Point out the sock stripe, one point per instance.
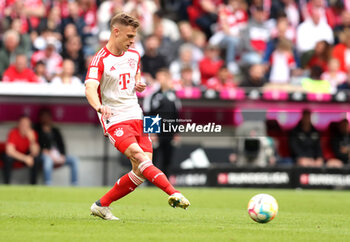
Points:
(144, 165)
(139, 178)
(135, 179)
(132, 178)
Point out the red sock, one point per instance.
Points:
(122, 187)
(157, 177)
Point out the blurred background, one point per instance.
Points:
(274, 73)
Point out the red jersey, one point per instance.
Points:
(234, 19)
(209, 68)
(12, 75)
(20, 142)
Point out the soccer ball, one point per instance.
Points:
(262, 208)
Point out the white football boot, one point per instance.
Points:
(178, 200)
(102, 212)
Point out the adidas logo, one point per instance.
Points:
(112, 68)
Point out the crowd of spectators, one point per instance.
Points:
(285, 41)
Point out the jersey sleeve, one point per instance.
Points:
(95, 70)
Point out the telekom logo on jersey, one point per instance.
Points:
(124, 79)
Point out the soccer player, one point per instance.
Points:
(111, 83)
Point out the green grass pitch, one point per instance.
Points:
(62, 214)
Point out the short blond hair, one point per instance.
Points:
(124, 19)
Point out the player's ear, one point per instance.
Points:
(115, 30)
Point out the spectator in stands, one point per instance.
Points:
(166, 48)
(53, 151)
(20, 72)
(74, 19)
(66, 77)
(88, 11)
(53, 22)
(175, 10)
(170, 29)
(30, 11)
(305, 143)
(204, 13)
(198, 43)
(319, 5)
(40, 42)
(342, 51)
(40, 72)
(143, 11)
(283, 30)
(223, 80)
(334, 13)
(344, 25)
(152, 60)
(51, 58)
(255, 76)
(186, 81)
(255, 37)
(334, 75)
(185, 59)
(73, 50)
(282, 62)
(232, 19)
(25, 41)
(15, 10)
(290, 8)
(10, 48)
(314, 83)
(165, 103)
(22, 146)
(319, 56)
(313, 30)
(188, 35)
(105, 12)
(210, 64)
(345, 85)
(340, 143)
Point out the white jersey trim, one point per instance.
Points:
(92, 80)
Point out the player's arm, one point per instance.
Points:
(91, 93)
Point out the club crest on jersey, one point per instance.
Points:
(132, 62)
(119, 132)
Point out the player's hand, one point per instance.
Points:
(105, 111)
(140, 86)
(29, 161)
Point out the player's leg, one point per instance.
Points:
(126, 184)
(176, 199)
(142, 165)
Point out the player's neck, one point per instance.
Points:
(113, 49)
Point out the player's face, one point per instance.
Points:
(125, 37)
